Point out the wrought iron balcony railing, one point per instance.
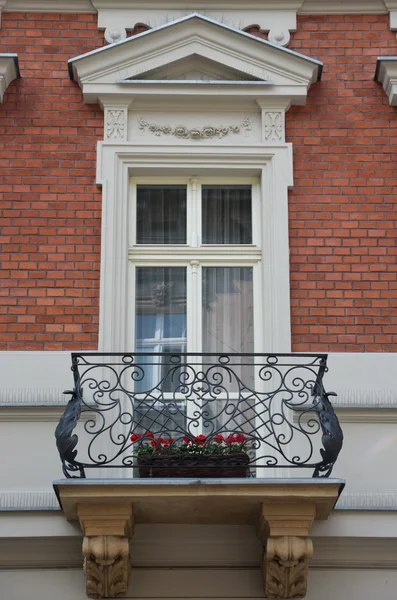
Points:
(209, 415)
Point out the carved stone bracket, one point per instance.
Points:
(107, 529)
(286, 510)
(286, 567)
(284, 529)
(106, 565)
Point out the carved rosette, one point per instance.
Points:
(286, 566)
(107, 566)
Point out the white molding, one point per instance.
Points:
(367, 500)
(29, 500)
(358, 414)
(366, 414)
(33, 396)
(9, 70)
(386, 74)
(118, 163)
(50, 413)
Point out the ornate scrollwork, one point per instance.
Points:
(207, 132)
(276, 401)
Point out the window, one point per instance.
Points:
(194, 258)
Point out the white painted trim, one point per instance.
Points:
(33, 396)
(367, 500)
(351, 413)
(386, 74)
(15, 500)
(118, 163)
(50, 413)
(9, 70)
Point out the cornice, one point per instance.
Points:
(300, 6)
(45, 500)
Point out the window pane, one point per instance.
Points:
(161, 214)
(160, 321)
(226, 214)
(228, 314)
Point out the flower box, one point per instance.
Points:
(194, 465)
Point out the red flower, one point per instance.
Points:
(155, 443)
(149, 435)
(238, 438)
(200, 440)
(186, 440)
(218, 438)
(135, 437)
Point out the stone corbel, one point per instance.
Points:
(284, 530)
(107, 529)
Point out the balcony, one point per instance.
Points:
(194, 438)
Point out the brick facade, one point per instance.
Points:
(343, 222)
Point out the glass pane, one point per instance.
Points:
(228, 326)
(160, 321)
(228, 314)
(226, 214)
(161, 214)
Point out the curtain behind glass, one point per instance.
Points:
(226, 214)
(228, 326)
(228, 309)
(161, 214)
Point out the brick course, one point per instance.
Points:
(343, 220)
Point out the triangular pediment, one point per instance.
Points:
(194, 48)
(195, 68)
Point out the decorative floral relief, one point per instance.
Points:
(115, 124)
(274, 129)
(204, 133)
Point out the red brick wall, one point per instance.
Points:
(343, 220)
(343, 208)
(50, 205)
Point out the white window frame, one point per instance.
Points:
(272, 165)
(193, 255)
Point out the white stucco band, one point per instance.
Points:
(194, 98)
